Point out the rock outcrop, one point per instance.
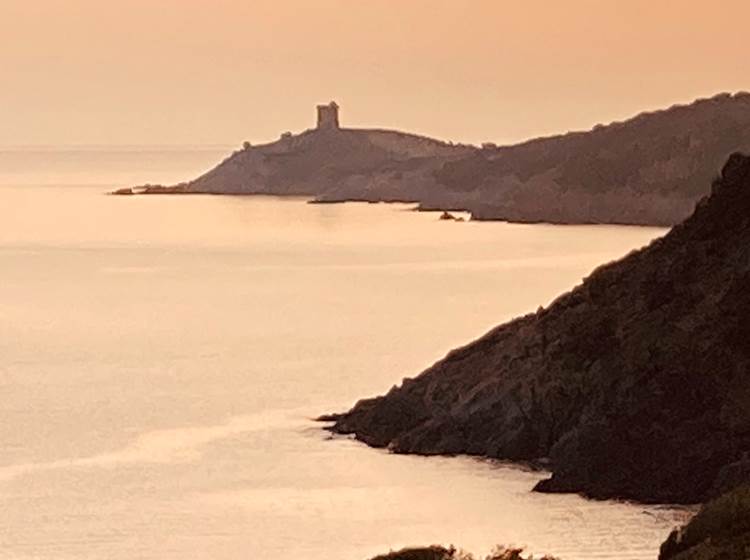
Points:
(720, 531)
(635, 385)
(648, 170)
(420, 553)
(442, 553)
(448, 217)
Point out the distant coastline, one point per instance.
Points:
(648, 170)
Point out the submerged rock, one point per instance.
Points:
(636, 384)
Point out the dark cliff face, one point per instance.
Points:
(648, 170)
(636, 384)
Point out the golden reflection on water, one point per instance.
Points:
(162, 357)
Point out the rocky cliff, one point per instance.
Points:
(720, 531)
(648, 170)
(636, 384)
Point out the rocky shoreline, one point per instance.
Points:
(634, 385)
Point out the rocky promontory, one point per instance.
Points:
(636, 384)
(649, 170)
(358, 164)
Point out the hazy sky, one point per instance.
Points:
(221, 71)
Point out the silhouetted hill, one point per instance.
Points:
(636, 384)
(648, 170)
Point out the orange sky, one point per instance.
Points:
(221, 71)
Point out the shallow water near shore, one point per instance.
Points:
(161, 359)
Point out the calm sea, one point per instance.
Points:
(161, 358)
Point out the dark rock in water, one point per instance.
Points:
(124, 191)
(450, 217)
(442, 553)
(720, 531)
(636, 384)
(648, 170)
(421, 553)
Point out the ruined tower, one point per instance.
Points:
(328, 116)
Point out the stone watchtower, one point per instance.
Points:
(328, 116)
